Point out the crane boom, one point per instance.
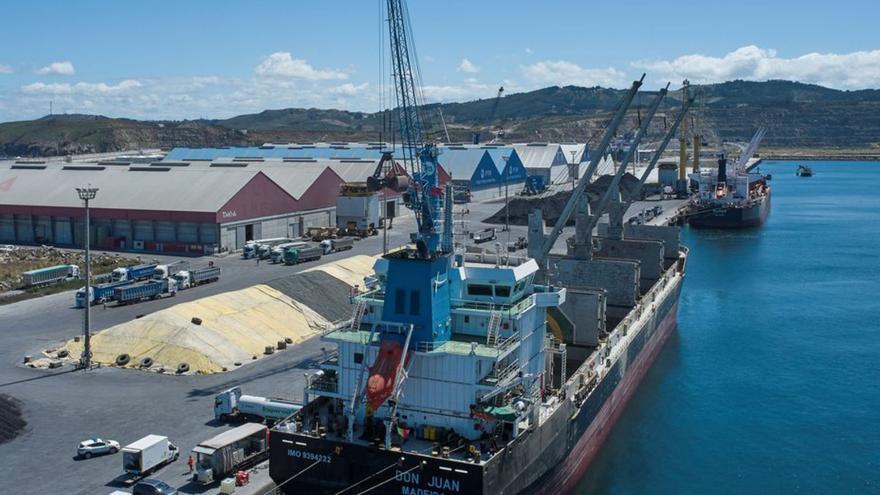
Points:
(579, 188)
(615, 182)
(420, 158)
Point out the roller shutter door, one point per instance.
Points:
(165, 231)
(122, 228)
(63, 231)
(208, 233)
(143, 230)
(43, 229)
(7, 228)
(188, 232)
(24, 231)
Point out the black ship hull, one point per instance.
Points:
(731, 217)
(550, 459)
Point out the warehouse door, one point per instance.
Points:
(42, 229)
(63, 231)
(249, 232)
(188, 232)
(7, 228)
(24, 231)
(165, 231)
(208, 233)
(122, 228)
(143, 230)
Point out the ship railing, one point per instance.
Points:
(333, 326)
(323, 383)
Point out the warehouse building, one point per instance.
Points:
(546, 160)
(482, 169)
(174, 206)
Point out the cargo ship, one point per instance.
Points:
(462, 373)
(730, 196)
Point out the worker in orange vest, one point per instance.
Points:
(190, 462)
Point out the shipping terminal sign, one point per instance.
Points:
(229, 214)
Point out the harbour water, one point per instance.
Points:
(771, 384)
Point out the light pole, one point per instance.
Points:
(85, 362)
(506, 200)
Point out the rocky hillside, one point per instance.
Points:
(75, 134)
(796, 115)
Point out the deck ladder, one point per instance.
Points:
(360, 306)
(493, 328)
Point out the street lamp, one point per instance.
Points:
(86, 194)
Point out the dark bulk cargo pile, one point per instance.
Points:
(326, 295)
(552, 204)
(12, 423)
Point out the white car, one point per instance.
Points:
(97, 446)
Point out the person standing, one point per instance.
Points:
(190, 462)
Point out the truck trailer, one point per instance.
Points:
(231, 405)
(49, 275)
(197, 276)
(148, 454)
(145, 289)
(336, 245)
(238, 448)
(302, 254)
(134, 273)
(98, 294)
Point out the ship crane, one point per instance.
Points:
(423, 195)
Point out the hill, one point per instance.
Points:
(797, 115)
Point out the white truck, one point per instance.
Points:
(251, 249)
(238, 448)
(197, 276)
(148, 454)
(336, 245)
(231, 405)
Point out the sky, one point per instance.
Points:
(217, 59)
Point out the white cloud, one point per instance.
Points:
(5, 69)
(468, 67)
(57, 68)
(349, 89)
(80, 88)
(563, 73)
(282, 64)
(853, 70)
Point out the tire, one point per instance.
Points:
(182, 368)
(113, 450)
(146, 362)
(87, 455)
(122, 359)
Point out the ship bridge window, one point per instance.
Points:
(519, 286)
(479, 290)
(400, 301)
(502, 291)
(414, 303)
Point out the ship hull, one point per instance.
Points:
(733, 217)
(549, 459)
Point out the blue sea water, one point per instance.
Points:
(771, 384)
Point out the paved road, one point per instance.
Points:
(65, 407)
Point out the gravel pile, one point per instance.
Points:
(324, 294)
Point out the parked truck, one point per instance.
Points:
(197, 276)
(148, 454)
(134, 273)
(238, 448)
(251, 248)
(231, 405)
(279, 250)
(484, 235)
(302, 254)
(49, 275)
(98, 294)
(336, 245)
(152, 289)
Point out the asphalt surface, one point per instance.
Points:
(63, 407)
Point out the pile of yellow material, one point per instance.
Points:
(234, 328)
(350, 270)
